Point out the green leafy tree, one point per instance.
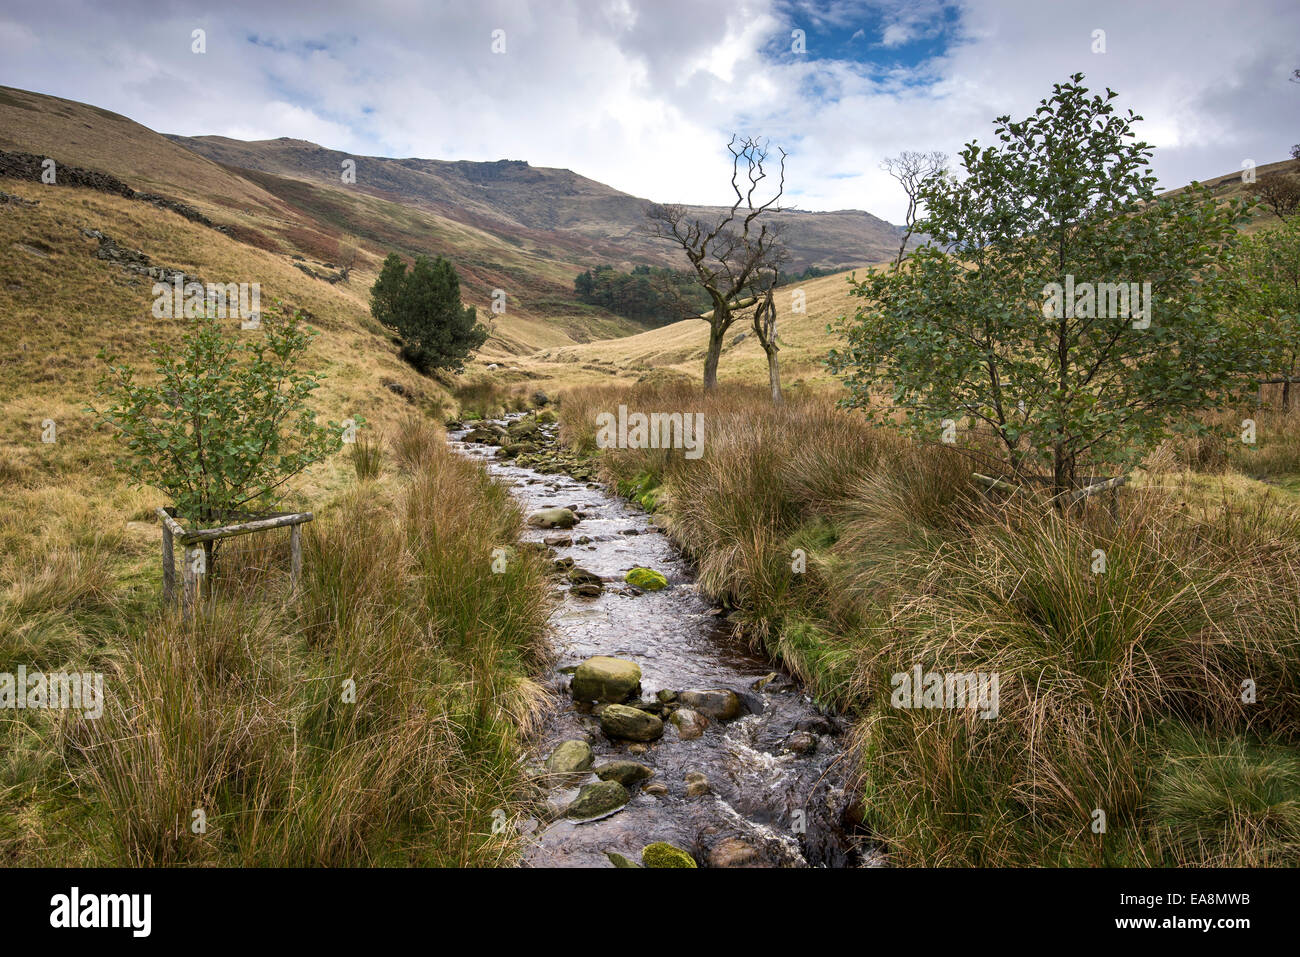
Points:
(977, 343)
(225, 423)
(422, 306)
(1269, 298)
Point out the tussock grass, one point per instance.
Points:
(367, 457)
(376, 717)
(1104, 677)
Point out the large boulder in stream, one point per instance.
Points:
(605, 679)
(716, 703)
(553, 518)
(630, 724)
(597, 800)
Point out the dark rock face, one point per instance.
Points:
(29, 166)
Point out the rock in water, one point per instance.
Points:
(626, 773)
(581, 576)
(732, 852)
(646, 578)
(663, 854)
(690, 724)
(801, 742)
(717, 703)
(696, 784)
(570, 757)
(602, 678)
(630, 724)
(553, 518)
(583, 582)
(597, 800)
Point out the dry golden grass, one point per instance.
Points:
(243, 714)
(1119, 691)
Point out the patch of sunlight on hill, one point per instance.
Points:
(681, 346)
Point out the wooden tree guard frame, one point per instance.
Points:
(1109, 485)
(175, 534)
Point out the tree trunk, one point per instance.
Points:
(1062, 476)
(1286, 394)
(716, 333)
(773, 372)
(765, 331)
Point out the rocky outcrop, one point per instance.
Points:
(29, 166)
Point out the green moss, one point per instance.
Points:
(663, 854)
(646, 578)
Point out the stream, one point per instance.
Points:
(775, 792)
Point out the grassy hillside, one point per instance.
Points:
(324, 224)
(589, 221)
(680, 347)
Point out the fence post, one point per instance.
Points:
(295, 557)
(169, 567)
(191, 598)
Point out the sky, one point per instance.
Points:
(644, 96)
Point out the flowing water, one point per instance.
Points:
(765, 803)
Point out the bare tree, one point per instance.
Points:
(912, 169)
(765, 330)
(730, 256)
(1280, 193)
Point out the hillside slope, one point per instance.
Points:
(680, 348)
(596, 222)
(320, 227)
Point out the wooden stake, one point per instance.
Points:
(295, 557)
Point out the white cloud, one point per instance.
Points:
(643, 96)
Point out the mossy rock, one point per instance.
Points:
(570, 757)
(607, 679)
(553, 518)
(626, 773)
(630, 724)
(597, 800)
(646, 579)
(663, 854)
